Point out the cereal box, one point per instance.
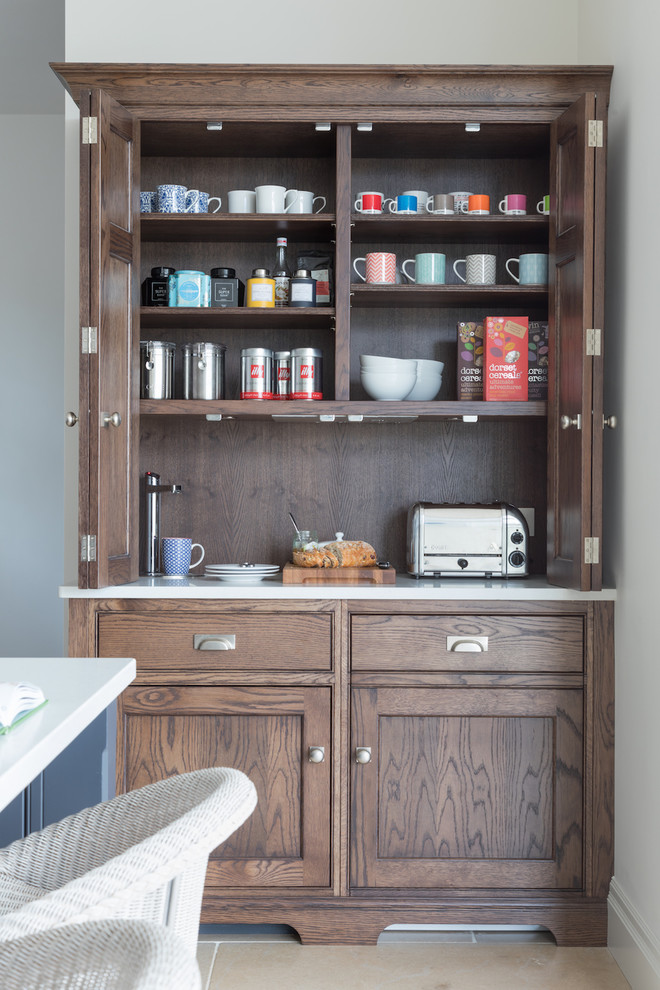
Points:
(537, 375)
(505, 367)
(470, 367)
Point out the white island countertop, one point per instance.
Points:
(406, 588)
(77, 689)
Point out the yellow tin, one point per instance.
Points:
(260, 289)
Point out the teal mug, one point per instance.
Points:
(532, 269)
(429, 269)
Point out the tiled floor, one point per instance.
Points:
(406, 961)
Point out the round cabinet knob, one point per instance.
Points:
(567, 421)
(316, 754)
(70, 419)
(610, 422)
(111, 419)
(363, 754)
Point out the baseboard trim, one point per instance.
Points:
(631, 942)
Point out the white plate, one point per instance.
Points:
(240, 569)
(239, 578)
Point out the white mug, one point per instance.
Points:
(270, 199)
(302, 201)
(241, 201)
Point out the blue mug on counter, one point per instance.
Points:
(404, 204)
(176, 554)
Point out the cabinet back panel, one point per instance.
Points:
(241, 479)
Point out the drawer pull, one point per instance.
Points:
(207, 641)
(363, 754)
(316, 754)
(467, 644)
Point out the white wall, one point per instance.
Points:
(632, 468)
(421, 31)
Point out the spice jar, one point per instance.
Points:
(261, 289)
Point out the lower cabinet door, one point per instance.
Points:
(268, 733)
(467, 788)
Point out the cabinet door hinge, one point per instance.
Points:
(595, 134)
(592, 342)
(89, 130)
(591, 549)
(88, 548)
(88, 340)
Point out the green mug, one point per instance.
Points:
(429, 269)
(543, 205)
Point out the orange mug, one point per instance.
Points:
(479, 204)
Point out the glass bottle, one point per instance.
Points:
(281, 273)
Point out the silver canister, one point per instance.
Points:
(256, 373)
(203, 371)
(306, 373)
(156, 369)
(282, 375)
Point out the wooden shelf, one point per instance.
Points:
(458, 229)
(448, 295)
(222, 227)
(370, 411)
(236, 318)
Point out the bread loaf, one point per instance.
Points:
(341, 553)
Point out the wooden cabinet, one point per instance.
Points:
(338, 130)
(427, 762)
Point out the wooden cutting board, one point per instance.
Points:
(292, 574)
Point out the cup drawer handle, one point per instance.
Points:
(209, 641)
(467, 644)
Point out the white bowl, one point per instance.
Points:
(374, 362)
(425, 366)
(425, 388)
(385, 386)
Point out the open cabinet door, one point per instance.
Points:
(574, 442)
(110, 240)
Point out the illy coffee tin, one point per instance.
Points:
(203, 371)
(306, 373)
(156, 369)
(282, 375)
(256, 373)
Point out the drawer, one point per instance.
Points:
(463, 643)
(219, 641)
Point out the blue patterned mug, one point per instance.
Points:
(172, 199)
(199, 202)
(532, 269)
(176, 552)
(148, 202)
(429, 268)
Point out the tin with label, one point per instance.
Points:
(189, 288)
(261, 289)
(256, 373)
(306, 373)
(282, 375)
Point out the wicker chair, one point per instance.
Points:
(142, 855)
(99, 955)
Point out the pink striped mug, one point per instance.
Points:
(379, 266)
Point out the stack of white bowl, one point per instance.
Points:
(392, 379)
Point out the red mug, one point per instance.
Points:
(379, 266)
(369, 202)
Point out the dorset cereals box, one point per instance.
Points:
(505, 367)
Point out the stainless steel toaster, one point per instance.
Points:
(469, 540)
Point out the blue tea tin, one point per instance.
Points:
(189, 288)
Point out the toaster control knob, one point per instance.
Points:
(462, 563)
(516, 558)
(517, 537)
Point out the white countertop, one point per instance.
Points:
(77, 689)
(406, 588)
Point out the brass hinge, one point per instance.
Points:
(591, 549)
(592, 342)
(88, 548)
(88, 340)
(89, 130)
(595, 134)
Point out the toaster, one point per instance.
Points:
(470, 540)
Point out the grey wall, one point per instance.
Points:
(31, 328)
